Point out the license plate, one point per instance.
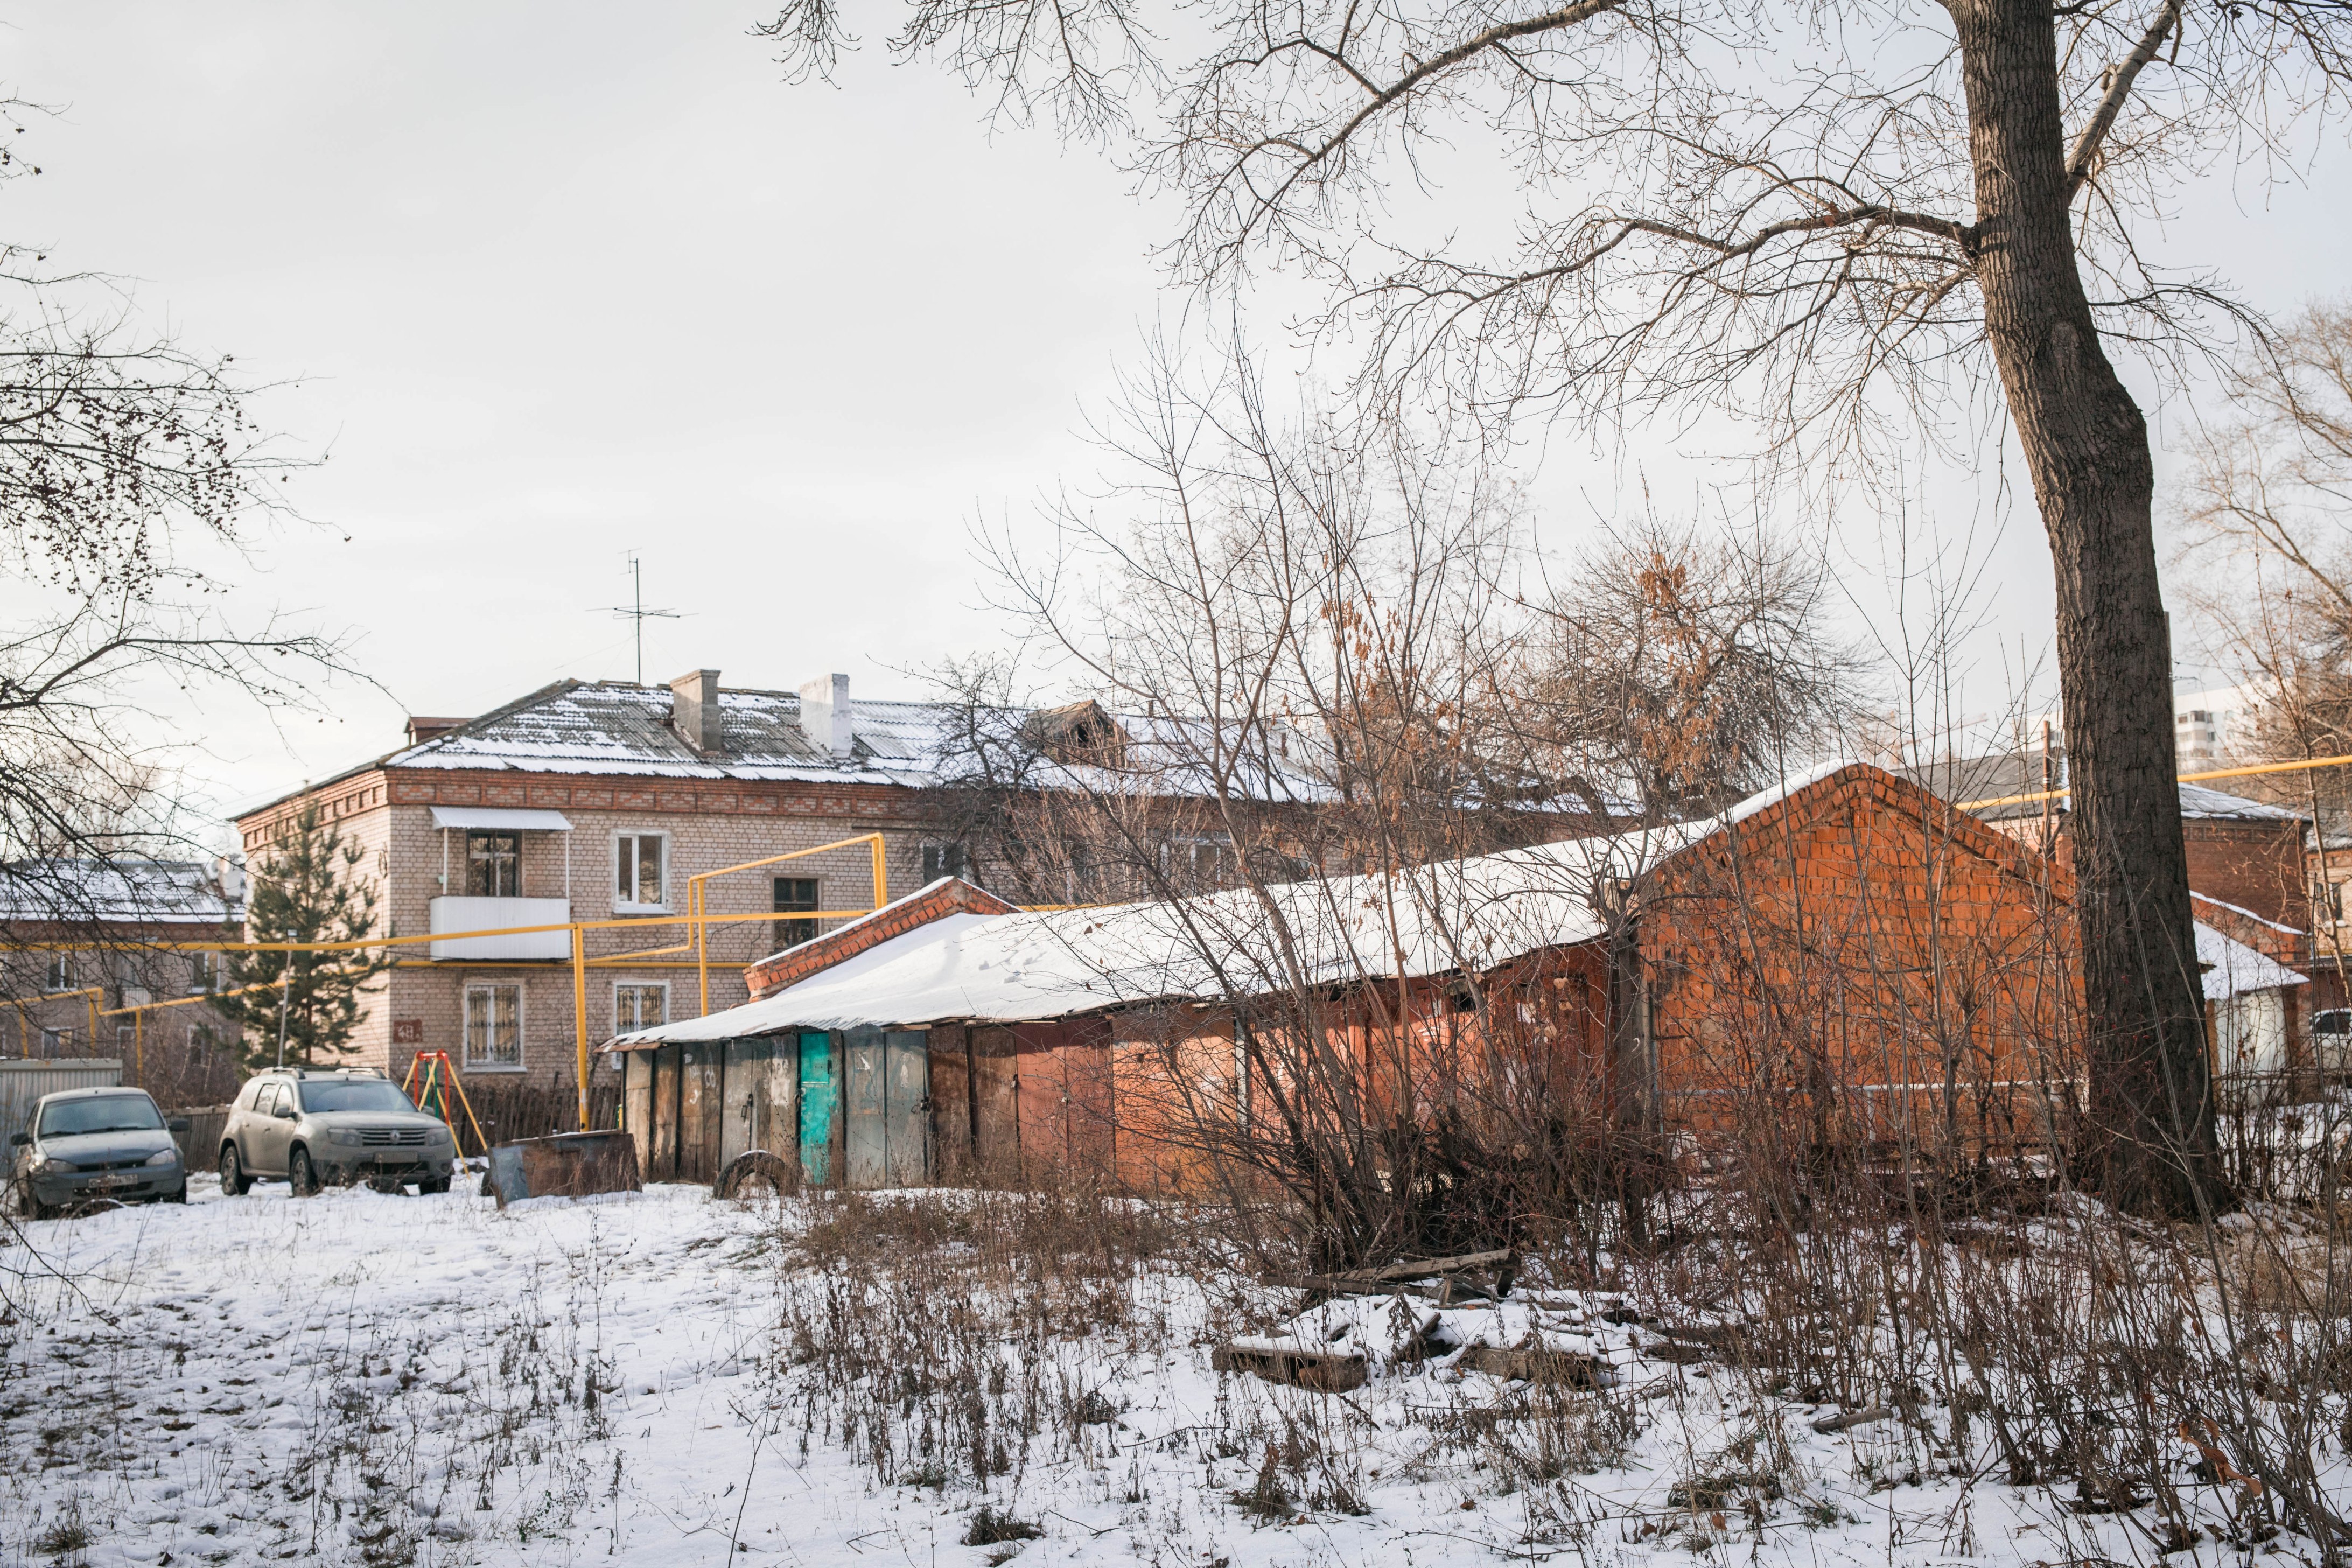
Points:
(115, 1180)
(390, 1159)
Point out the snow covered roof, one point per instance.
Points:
(2243, 913)
(2001, 775)
(2197, 801)
(1011, 968)
(1427, 920)
(2231, 968)
(620, 727)
(160, 892)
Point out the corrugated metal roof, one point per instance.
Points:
(622, 728)
(163, 892)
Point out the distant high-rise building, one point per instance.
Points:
(2214, 726)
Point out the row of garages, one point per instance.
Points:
(1848, 942)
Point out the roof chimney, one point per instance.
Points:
(826, 718)
(693, 709)
(422, 729)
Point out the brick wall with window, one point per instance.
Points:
(630, 852)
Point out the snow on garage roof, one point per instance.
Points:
(2232, 969)
(1029, 967)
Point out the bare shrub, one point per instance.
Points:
(942, 1338)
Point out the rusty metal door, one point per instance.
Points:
(665, 1117)
(996, 1104)
(742, 1070)
(760, 1113)
(700, 1112)
(865, 1098)
(907, 1107)
(637, 1104)
(950, 1053)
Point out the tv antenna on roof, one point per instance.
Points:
(635, 611)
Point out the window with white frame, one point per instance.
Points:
(204, 972)
(493, 1025)
(639, 1005)
(1196, 862)
(640, 861)
(61, 972)
(493, 865)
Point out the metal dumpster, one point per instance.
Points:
(569, 1165)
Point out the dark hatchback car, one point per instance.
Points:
(85, 1145)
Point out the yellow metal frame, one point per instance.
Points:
(696, 893)
(581, 963)
(435, 1061)
(2245, 772)
(89, 994)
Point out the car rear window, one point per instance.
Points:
(354, 1094)
(100, 1113)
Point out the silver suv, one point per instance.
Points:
(310, 1126)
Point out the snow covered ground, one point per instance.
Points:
(661, 1378)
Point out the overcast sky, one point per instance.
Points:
(559, 281)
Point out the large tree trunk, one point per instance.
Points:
(2150, 1138)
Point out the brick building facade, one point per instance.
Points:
(598, 802)
(99, 965)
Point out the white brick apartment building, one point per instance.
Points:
(589, 801)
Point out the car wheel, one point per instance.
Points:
(234, 1182)
(23, 1203)
(437, 1184)
(301, 1174)
(180, 1196)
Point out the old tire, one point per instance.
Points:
(758, 1174)
(301, 1174)
(234, 1181)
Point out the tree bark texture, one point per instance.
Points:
(2149, 1142)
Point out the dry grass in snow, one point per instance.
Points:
(927, 1378)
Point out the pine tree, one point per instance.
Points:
(306, 889)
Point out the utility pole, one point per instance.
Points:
(635, 611)
(285, 998)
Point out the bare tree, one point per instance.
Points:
(1672, 674)
(2269, 548)
(1835, 219)
(2266, 528)
(128, 465)
(1302, 641)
